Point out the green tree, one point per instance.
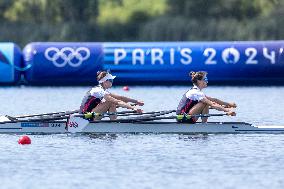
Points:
(24, 21)
(61, 20)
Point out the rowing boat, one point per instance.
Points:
(80, 125)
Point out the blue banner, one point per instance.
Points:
(152, 62)
(171, 61)
(62, 63)
(10, 61)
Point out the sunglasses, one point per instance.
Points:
(205, 79)
(110, 80)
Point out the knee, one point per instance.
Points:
(112, 106)
(204, 105)
(207, 106)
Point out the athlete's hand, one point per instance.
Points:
(139, 111)
(140, 103)
(231, 113)
(231, 105)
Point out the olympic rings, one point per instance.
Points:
(67, 55)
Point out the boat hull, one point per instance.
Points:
(34, 127)
(136, 127)
(179, 128)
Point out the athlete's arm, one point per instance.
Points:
(121, 103)
(217, 106)
(220, 102)
(126, 99)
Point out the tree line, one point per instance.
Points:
(24, 21)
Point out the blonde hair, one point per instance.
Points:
(197, 76)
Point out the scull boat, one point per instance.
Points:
(80, 125)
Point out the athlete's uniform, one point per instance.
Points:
(92, 98)
(189, 99)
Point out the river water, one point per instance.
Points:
(144, 161)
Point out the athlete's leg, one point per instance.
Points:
(112, 109)
(103, 108)
(205, 111)
(198, 109)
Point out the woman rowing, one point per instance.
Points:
(100, 100)
(194, 101)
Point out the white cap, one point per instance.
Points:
(108, 76)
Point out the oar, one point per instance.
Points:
(154, 114)
(125, 113)
(133, 120)
(144, 113)
(66, 116)
(54, 113)
(180, 117)
(53, 116)
(91, 115)
(40, 117)
(44, 114)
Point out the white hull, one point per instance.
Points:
(173, 127)
(34, 127)
(145, 127)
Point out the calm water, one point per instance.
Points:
(144, 161)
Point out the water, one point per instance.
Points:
(144, 161)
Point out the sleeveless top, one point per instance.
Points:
(92, 98)
(189, 99)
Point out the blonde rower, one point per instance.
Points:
(100, 100)
(194, 101)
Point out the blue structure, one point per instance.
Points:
(10, 63)
(62, 63)
(230, 62)
(170, 62)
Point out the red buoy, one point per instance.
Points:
(126, 88)
(24, 140)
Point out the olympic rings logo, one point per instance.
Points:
(67, 55)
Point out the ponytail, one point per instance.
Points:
(101, 74)
(197, 76)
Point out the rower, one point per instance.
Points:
(100, 100)
(194, 101)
